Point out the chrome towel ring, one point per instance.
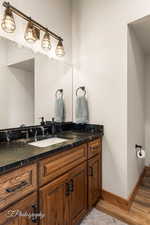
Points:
(81, 88)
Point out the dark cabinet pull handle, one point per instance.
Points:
(71, 186)
(91, 171)
(16, 187)
(34, 218)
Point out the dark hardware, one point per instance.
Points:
(67, 189)
(16, 187)
(81, 88)
(27, 18)
(138, 146)
(34, 218)
(42, 121)
(91, 171)
(71, 186)
(59, 91)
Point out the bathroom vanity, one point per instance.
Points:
(61, 181)
(50, 173)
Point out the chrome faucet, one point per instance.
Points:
(43, 130)
(35, 135)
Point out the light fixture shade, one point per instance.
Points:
(60, 49)
(46, 42)
(8, 22)
(32, 34)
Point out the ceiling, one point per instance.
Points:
(142, 31)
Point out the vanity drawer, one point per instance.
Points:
(54, 166)
(94, 148)
(17, 184)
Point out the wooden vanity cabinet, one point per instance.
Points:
(69, 184)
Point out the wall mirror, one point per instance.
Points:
(28, 85)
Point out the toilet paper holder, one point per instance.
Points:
(139, 147)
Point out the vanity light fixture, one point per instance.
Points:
(33, 29)
(8, 22)
(32, 34)
(46, 42)
(60, 49)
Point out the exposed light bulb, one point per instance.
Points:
(60, 49)
(8, 22)
(32, 34)
(46, 42)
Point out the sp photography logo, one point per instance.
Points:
(14, 213)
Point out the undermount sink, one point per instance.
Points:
(48, 142)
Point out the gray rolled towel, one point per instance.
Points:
(59, 109)
(81, 111)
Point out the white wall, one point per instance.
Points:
(135, 107)
(51, 75)
(147, 111)
(17, 55)
(55, 14)
(17, 93)
(100, 59)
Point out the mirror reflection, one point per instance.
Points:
(30, 85)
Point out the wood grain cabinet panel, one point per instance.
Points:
(54, 202)
(94, 148)
(94, 180)
(78, 193)
(55, 166)
(15, 215)
(17, 184)
(64, 200)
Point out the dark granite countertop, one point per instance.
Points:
(16, 154)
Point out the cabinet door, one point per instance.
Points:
(20, 213)
(94, 180)
(54, 202)
(78, 193)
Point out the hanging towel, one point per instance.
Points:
(59, 109)
(82, 113)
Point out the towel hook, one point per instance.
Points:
(59, 91)
(82, 88)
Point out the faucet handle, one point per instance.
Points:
(42, 121)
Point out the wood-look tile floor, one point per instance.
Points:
(139, 213)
